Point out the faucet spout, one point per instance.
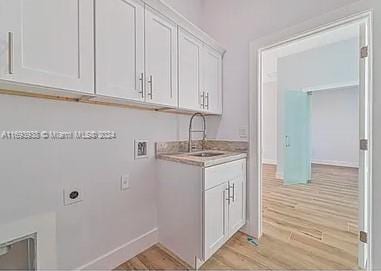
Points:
(191, 131)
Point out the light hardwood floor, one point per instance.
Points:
(310, 226)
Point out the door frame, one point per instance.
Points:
(299, 32)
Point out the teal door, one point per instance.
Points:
(297, 138)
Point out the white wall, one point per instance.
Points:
(190, 9)
(331, 65)
(269, 131)
(335, 127)
(33, 173)
(234, 23)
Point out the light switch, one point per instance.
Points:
(243, 132)
(125, 182)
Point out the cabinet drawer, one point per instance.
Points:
(217, 175)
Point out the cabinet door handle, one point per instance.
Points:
(141, 79)
(228, 192)
(202, 103)
(233, 192)
(207, 100)
(10, 52)
(150, 82)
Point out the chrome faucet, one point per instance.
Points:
(203, 131)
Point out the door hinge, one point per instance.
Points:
(364, 52)
(364, 144)
(364, 237)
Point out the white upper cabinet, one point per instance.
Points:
(200, 75)
(212, 80)
(119, 43)
(190, 52)
(161, 59)
(119, 50)
(48, 43)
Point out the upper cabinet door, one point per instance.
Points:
(190, 52)
(48, 43)
(161, 59)
(212, 80)
(119, 28)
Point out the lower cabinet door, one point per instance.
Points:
(237, 210)
(215, 218)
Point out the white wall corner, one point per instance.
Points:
(279, 175)
(123, 253)
(245, 228)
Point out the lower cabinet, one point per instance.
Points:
(200, 208)
(224, 205)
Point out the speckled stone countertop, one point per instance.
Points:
(176, 152)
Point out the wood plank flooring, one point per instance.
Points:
(305, 227)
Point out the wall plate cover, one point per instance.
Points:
(243, 132)
(141, 149)
(72, 195)
(125, 182)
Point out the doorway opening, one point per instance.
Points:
(314, 146)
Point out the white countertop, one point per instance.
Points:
(188, 158)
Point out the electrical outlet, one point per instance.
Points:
(141, 149)
(243, 132)
(72, 196)
(125, 182)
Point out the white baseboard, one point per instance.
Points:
(269, 162)
(123, 253)
(336, 163)
(279, 175)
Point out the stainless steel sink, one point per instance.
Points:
(206, 154)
